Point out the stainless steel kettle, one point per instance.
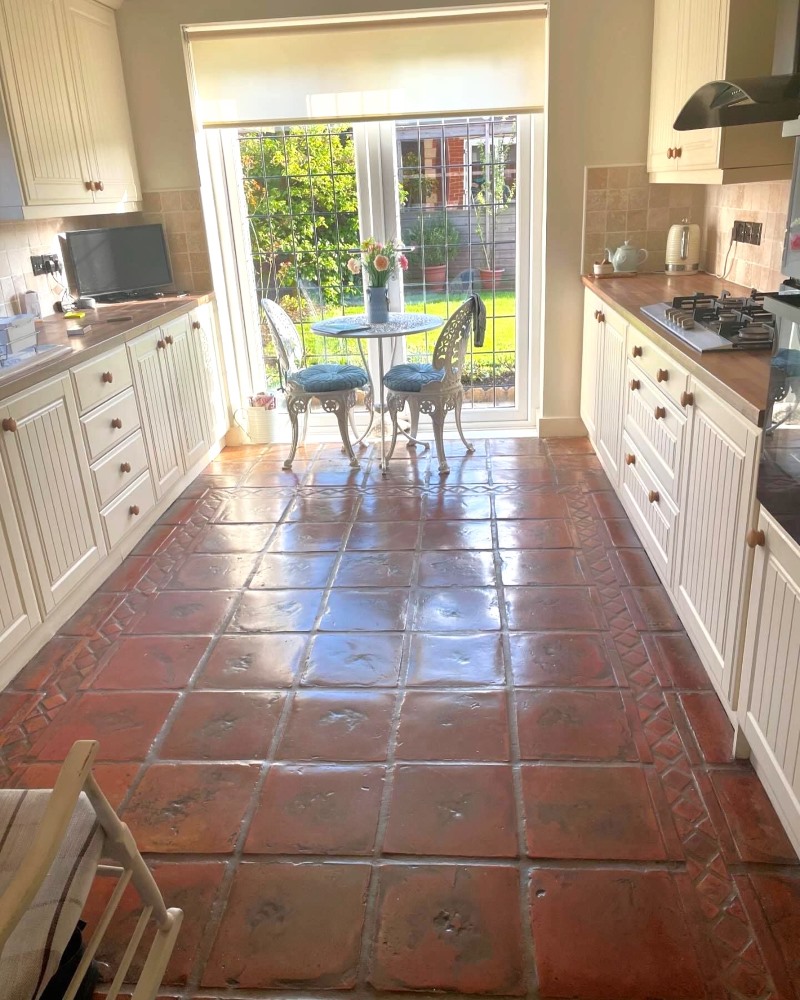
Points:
(683, 248)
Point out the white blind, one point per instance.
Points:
(388, 68)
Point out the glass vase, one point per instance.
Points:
(377, 305)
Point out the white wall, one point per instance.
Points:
(599, 82)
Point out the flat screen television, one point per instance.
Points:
(121, 261)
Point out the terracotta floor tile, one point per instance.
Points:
(124, 724)
(152, 661)
(474, 659)
(453, 507)
(779, 896)
(608, 504)
(452, 809)
(375, 569)
(114, 780)
(292, 571)
(184, 612)
(126, 576)
(526, 567)
(317, 809)
(532, 608)
(621, 533)
(450, 726)
(240, 662)
(569, 446)
(524, 475)
(539, 533)
(560, 659)
(154, 540)
(224, 571)
(379, 536)
(88, 619)
(457, 535)
(189, 885)
(637, 568)
(370, 609)
(358, 659)
(223, 725)
(710, 724)
(457, 609)
(448, 927)
(316, 913)
(516, 446)
(323, 509)
(616, 933)
(652, 609)
(757, 833)
(190, 808)
(521, 505)
(338, 725)
(53, 658)
(454, 568)
(590, 812)
(676, 662)
(276, 611)
(266, 509)
(375, 507)
(316, 537)
(574, 725)
(233, 537)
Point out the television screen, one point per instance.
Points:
(127, 259)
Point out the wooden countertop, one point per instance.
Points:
(741, 378)
(99, 330)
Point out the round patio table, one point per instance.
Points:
(359, 328)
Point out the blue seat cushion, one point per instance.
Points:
(412, 378)
(328, 378)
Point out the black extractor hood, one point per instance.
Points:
(773, 98)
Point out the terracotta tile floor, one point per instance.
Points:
(393, 735)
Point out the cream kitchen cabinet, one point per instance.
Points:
(609, 403)
(695, 42)
(65, 137)
(592, 310)
(18, 610)
(769, 702)
(46, 461)
(204, 325)
(189, 388)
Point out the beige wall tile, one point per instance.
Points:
(597, 177)
(190, 201)
(618, 200)
(638, 198)
(171, 201)
(595, 222)
(617, 221)
(617, 177)
(596, 200)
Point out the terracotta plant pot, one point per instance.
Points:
(435, 277)
(490, 278)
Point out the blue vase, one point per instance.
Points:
(377, 305)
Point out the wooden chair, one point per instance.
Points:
(333, 385)
(51, 846)
(436, 389)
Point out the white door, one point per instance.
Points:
(103, 101)
(204, 327)
(156, 408)
(47, 463)
(18, 610)
(611, 372)
(188, 388)
(42, 103)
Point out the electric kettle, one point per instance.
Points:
(683, 248)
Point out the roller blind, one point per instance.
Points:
(346, 70)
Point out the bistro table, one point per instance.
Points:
(359, 328)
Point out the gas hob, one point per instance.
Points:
(717, 323)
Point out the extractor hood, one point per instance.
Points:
(773, 98)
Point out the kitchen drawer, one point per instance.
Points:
(650, 509)
(655, 425)
(107, 425)
(119, 468)
(657, 366)
(128, 509)
(101, 378)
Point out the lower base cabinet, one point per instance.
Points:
(18, 610)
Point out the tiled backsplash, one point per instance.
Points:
(767, 203)
(620, 204)
(180, 214)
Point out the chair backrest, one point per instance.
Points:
(284, 335)
(451, 344)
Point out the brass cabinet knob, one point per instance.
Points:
(635, 384)
(687, 399)
(9, 424)
(662, 375)
(168, 339)
(89, 185)
(116, 423)
(602, 317)
(107, 377)
(653, 496)
(160, 345)
(660, 412)
(134, 509)
(637, 351)
(678, 151)
(125, 467)
(100, 186)
(196, 323)
(670, 153)
(630, 459)
(755, 537)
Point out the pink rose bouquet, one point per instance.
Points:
(379, 260)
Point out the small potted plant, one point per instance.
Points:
(379, 261)
(438, 239)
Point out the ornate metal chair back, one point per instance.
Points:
(287, 341)
(451, 344)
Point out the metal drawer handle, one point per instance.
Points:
(687, 399)
(107, 377)
(635, 384)
(160, 345)
(660, 413)
(116, 423)
(196, 323)
(630, 459)
(755, 537)
(637, 351)
(662, 375)
(125, 467)
(10, 424)
(653, 496)
(134, 509)
(168, 339)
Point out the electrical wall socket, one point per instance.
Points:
(747, 232)
(47, 263)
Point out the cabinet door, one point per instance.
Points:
(103, 102)
(663, 86)
(721, 453)
(770, 697)
(42, 104)
(611, 372)
(703, 39)
(18, 610)
(189, 389)
(204, 325)
(156, 408)
(47, 464)
(591, 330)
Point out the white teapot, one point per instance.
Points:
(627, 257)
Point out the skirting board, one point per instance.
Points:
(561, 427)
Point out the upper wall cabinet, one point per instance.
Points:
(695, 42)
(65, 138)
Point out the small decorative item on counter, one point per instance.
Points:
(603, 266)
(379, 262)
(265, 400)
(626, 258)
